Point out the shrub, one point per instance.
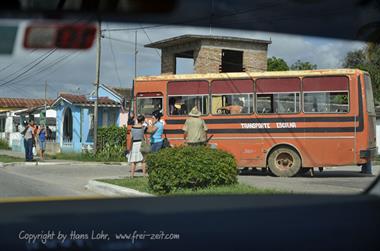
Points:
(111, 143)
(4, 144)
(112, 135)
(172, 169)
(111, 153)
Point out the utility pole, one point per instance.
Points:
(135, 53)
(98, 50)
(45, 101)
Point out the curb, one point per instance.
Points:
(113, 190)
(38, 163)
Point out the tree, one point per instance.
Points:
(367, 59)
(277, 64)
(354, 59)
(299, 66)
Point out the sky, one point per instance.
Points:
(75, 71)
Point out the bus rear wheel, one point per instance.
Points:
(284, 162)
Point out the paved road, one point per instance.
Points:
(57, 180)
(70, 180)
(336, 180)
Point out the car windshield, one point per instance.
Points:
(179, 109)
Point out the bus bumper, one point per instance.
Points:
(368, 154)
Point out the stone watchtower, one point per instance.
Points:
(213, 54)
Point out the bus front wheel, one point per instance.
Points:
(284, 162)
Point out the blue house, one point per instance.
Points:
(75, 117)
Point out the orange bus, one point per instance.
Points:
(287, 120)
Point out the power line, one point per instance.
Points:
(9, 65)
(29, 69)
(46, 67)
(150, 40)
(6, 67)
(123, 41)
(135, 28)
(25, 66)
(34, 62)
(127, 42)
(190, 21)
(114, 59)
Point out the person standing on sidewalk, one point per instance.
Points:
(131, 118)
(137, 137)
(195, 129)
(367, 167)
(156, 131)
(42, 140)
(28, 141)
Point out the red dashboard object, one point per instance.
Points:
(60, 36)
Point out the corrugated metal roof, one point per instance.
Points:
(23, 102)
(124, 92)
(82, 99)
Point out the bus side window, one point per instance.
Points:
(327, 94)
(184, 95)
(278, 103)
(326, 102)
(232, 104)
(182, 105)
(232, 96)
(278, 95)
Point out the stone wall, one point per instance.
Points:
(208, 55)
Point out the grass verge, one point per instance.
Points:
(9, 159)
(72, 156)
(4, 144)
(141, 184)
(83, 157)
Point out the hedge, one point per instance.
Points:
(172, 169)
(4, 144)
(111, 143)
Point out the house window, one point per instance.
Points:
(105, 118)
(68, 125)
(232, 61)
(91, 122)
(81, 124)
(2, 124)
(113, 117)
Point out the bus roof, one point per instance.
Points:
(250, 74)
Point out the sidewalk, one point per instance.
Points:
(53, 161)
(12, 154)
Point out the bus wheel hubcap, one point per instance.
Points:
(284, 161)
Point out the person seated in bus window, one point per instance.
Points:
(171, 106)
(236, 108)
(157, 108)
(183, 110)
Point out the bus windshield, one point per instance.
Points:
(147, 105)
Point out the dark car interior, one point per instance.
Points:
(263, 222)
